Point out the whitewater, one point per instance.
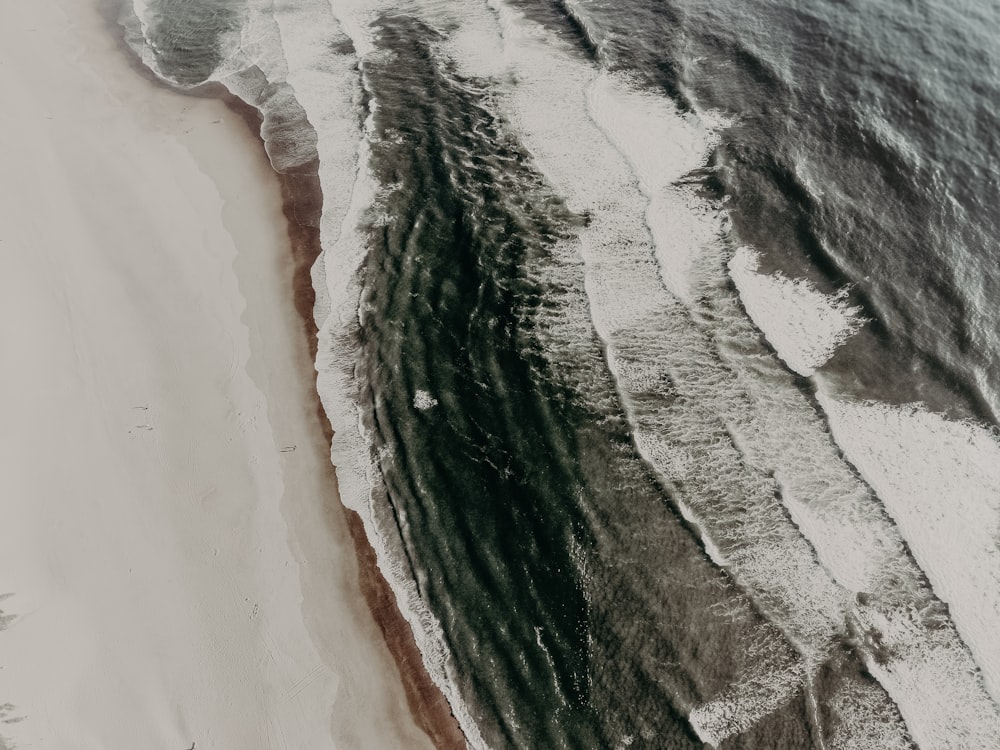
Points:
(841, 521)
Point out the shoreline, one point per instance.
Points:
(174, 567)
(301, 201)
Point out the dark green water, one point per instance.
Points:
(584, 608)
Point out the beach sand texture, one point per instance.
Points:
(175, 564)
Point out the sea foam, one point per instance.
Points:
(282, 63)
(350, 190)
(804, 325)
(940, 481)
(742, 444)
(716, 417)
(647, 332)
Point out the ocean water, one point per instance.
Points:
(659, 341)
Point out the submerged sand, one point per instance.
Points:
(177, 565)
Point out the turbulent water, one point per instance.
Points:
(659, 339)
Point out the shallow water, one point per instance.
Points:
(626, 311)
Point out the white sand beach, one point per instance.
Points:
(175, 563)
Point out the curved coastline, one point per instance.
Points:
(302, 201)
(810, 463)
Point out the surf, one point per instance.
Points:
(678, 316)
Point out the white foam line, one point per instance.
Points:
(290, 45)
(633, 309)
(339, 309)
(358, 475)
(137, 20)
(627, 297)
(774, 431)
(767, 688)
(855, 707)
(804, 325)
(918, 663)
(635, 123)
(940, 480)
(865, 554)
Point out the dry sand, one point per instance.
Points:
(177, 568)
